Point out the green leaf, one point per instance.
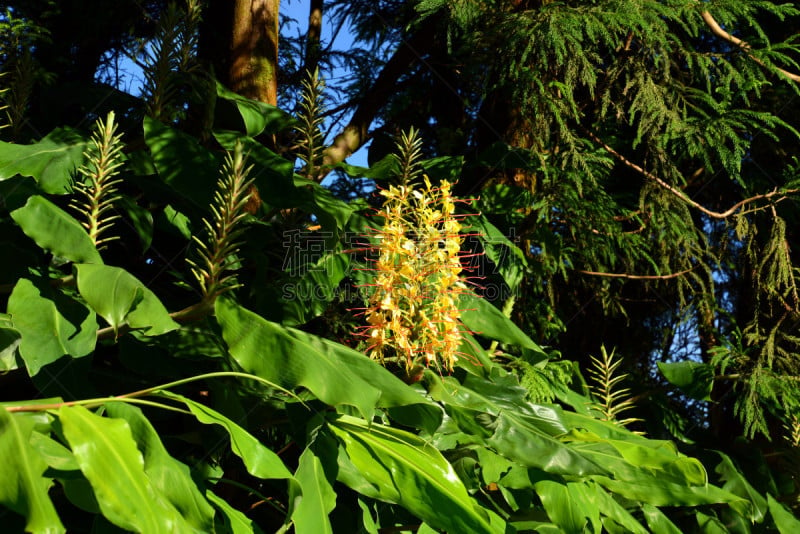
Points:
(191, 170)
(485, 320)
(50, 327)
(56, 231)
(506, 256)
(405, 469)
(693, 378)
(517, 429)
(272, 174)
(658, 492)
(237, 522)
(318, 497)
(657, 522)
(169, 476)
(736, 483)
(107, 454)
(258, 117)
(52, 161)
(259, 460)
(54, 453)
(9, 343)
(785, 521)
(334, 373)
(308, 297)
(141, 220)
(566, 506)
(23, 489)
(120, 298)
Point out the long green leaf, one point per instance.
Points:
(108, 457)
(23, 489)
(169, 476)
(785, 521)
(405, 469)
(334, 373)
(736, 483)
(55, 230)
(50, 328)
(259, 460)
(519, 430)
(318, 497)
(51, 161)
(120, 298)
(487, 321)
(566, 506)
(237, 522)
(658, 522)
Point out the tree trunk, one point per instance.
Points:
(313, 36)
(254, 50)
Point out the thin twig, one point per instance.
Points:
(636, 276)
(683, 196)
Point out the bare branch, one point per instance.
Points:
(636, 276)
(717, 30)
(782, 194)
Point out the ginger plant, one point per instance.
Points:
(412, 313)
(98, 188)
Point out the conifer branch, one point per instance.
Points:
(717, 30)
(782, 194)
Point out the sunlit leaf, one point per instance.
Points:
(259, 460)
(121, 299)
(23, 488)
(51, 326)
(409, 472)
(334, 373)
(55, 230)
(168, 475)
(107, 455)
(51, 161)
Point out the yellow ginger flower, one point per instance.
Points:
(412, 316)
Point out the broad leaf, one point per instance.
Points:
(169, 476)
(334, 373)
(259, 460)
(9, 342)
(191, 170)
(566, 506)
(657, 522)
(23, 489)
(52, 161)
(55, 231)
(405, 469)
(521, 431)
(258, 117)
(318, 497)
(785, 521)
(482, 318)
(506, 256)
(50, 327)
(107, 455)
(736, 483)
(693, 378)
(121, 299)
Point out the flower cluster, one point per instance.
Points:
(413, 315)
